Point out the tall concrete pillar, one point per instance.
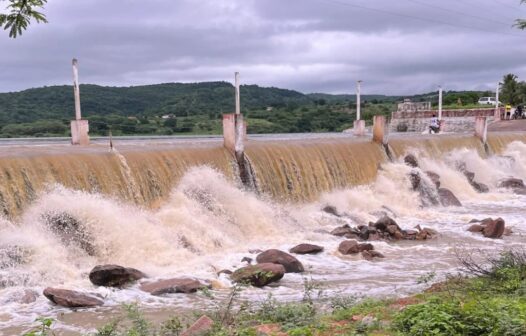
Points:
(359, 127)
(481, 128)
(79, 127)
(497, 109)
(379, 130)
(238, 98)
(440, 103)
(234, 132)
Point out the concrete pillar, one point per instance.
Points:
(481, 128)
(234, 132)
(238, 99)
(359, 127)
(79, 127)
(379, 130)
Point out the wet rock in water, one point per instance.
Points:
(25, 296)
(480, 187)
(259, 275)
(13, 255)
(169, 286)
(330, 209)
(70, 231)
(507, 231)
(247, 260)
(353, 247)
(382, 223)
(411, 160)
(255, 251)
(415, 179)
(447, 198)
(476, 228)
(114, 275)
(225, 271)
(511, 183)
(342, 231)
(494, 229)
(203, 326)
(434, 177)
(469, 175)
(306, 249)
(425, 233)
(371, 254)
(71, 299)
(291, 264)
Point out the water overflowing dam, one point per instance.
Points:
(172, 208)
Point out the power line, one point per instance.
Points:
(418, 18)
(459, 13)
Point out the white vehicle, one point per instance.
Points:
(488, 101)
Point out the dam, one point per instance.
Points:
(182, 207)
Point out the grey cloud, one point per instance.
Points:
(307, 45)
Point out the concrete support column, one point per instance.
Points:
(481, 128)
(379, 130)
(79, 127)
(359, 127)
(234, 132)
(497, 109)
(238, 99)
(440, 103)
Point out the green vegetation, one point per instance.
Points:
(195, 108)
(21, 12)
(489, 299)
(520, 23)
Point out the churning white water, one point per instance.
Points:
(209, 224)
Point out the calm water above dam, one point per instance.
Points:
(176, 207)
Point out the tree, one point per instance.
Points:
(521, 24)
(21, 12)
(510, 90)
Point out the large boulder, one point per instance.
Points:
(114, 275)
(259, 275)
(447, 198)
(71, 299)
(434, 177)
(480, 187)
(353, 247)
(291, 264)
(203, 326)
(494, 228)
(411, 160)
(476, 228)
(70, 231)
(371, 254)
(175, 285)
(306, 249)
(330, 209)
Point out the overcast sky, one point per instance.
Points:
(394, 46)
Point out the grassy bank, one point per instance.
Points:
(488, 299)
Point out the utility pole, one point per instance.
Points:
(238, 100)
(439, 102)
(358, 102)
(76, 89)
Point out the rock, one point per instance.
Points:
(474, 220)
(224, 271)
(384, 222)
(114, 275)
(247, 260)
(507, 231)
(203, 326)
(13, 255)
(435, 178)
(425, 233)
(480, 187)
(370, 255)
(348, 247)
(494, 229)
(71, 299)
(342, 231)
(255, 251)
(415, 179)
(469, 175)
(306, 249)
(70, 231)
(511, 183)
(259, 275)
(176, 285)
(291, 264)
(270, 329)
(447, 198)
(476, 228)
(331, 210)
(411, 160)
(29, 296)
(353, 247)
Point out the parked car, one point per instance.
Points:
(488, 101)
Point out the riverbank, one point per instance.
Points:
(489, 298)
